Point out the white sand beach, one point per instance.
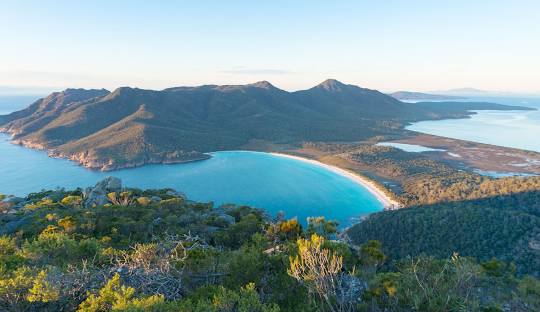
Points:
(373, 188)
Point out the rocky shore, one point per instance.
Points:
(90, 160)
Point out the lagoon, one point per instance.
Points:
(263, 180)
(517, 129)
(413, 148)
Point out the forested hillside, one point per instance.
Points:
(114, 248)
(505, 227)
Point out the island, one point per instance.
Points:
(419, 96)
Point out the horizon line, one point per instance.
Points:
(18, 90)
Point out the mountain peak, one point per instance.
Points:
(331, 85)
(262, 84)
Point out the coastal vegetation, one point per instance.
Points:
(450, 210)
(113, 248)
(415, 179)
(505, 227)
(445, 209)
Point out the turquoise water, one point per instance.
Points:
(259, 179)
(518, 129)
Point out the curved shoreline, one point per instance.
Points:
(388, 203)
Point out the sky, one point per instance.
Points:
(388, 45)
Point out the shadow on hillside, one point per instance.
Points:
(505, 227)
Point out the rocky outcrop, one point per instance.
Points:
(97, 195)
(11, 204)
(350, 289)
(92, 160)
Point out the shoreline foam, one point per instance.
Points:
(388, 203)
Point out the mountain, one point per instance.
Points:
(130, 126)
(408, 96)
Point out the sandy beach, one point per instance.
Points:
(387, 202)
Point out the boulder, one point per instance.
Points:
(13, 200)
(11, 204)
(97, 195)
(5, 207)
(110, 184)
(176, 194)
(155, 199)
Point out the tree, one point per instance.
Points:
(116, 297)
(428, 284)
(42, 290)
(226, 300)
(371, 257)
(317, 269)
(322, 227)
(71, 201)
(121, 199)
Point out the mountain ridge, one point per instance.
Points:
(130, 126)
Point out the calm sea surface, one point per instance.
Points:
(518, 129)
(11, 103)
(262, 180)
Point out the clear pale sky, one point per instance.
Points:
(387, 45)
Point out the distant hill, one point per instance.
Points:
(411, 96)
(459, 107)
(466, 90)
(130, 127)
(473, 92)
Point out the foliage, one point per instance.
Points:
(423, 181)
(176, 255)
(71, 200)
(317, 268)
(42, 290)
(117, 297)
(284, 230)
(225, 300)
(322, 227)
(506, 228)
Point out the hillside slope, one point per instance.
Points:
(506, 227)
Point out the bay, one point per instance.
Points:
(261, 180)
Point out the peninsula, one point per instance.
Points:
(131, 127)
